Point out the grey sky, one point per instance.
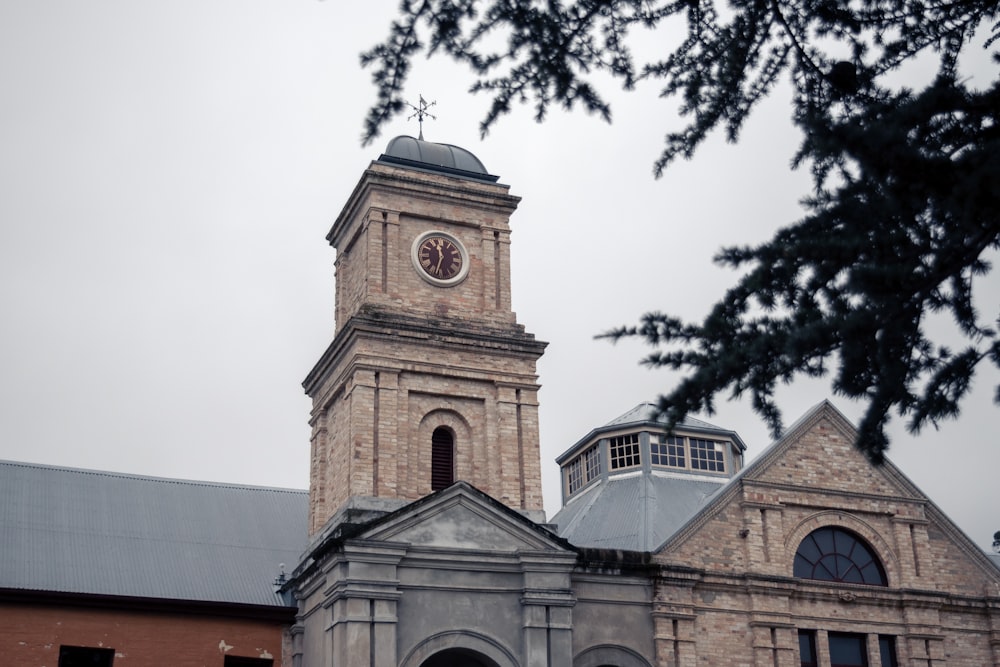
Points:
(168, 172)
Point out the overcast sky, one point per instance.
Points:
(168, 172)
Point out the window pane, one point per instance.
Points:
(574, 476)
(824, 540)
(807, 648)
(887, 651)
(707, 455)
(624, 451)
(809, 550)
(592, 462)
(847, 650)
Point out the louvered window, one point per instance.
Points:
(442, 458)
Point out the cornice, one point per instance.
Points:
(441, 333)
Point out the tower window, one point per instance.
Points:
(574, 475)
(834, 554)
(669, 452)
(707, 455)
(624, 451)
(592, 462)
(583, 469)
(442, 458)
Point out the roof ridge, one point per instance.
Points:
(151, 478)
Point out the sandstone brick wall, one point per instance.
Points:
(374, 236)
(380, 394)
(733, 601)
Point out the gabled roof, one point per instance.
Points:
(892, 481)
(459, 518)
(100, 533)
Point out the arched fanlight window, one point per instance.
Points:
(442, 458)
(834, 554)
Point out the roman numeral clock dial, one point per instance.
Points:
(440, 258)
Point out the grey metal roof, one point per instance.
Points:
(636, 512)
(85, 531)
(431, 156)
(647, 412)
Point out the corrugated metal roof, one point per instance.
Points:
(636, 512)
(86, 531)
(647, 412)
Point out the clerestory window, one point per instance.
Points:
(699, 454)
(583, 469)
(624, 450)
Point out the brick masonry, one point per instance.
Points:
(451, 571)
(409, 356)
(30, 636)
(742, 608)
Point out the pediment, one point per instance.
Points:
(815, 477)
(462, 517)
(818, 452)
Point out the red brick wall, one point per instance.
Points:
(30, 636)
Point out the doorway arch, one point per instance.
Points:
(461, 649)
(458, 657)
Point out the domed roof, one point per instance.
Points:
(443, 158)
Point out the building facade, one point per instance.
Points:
(422, 542)
(667, 552)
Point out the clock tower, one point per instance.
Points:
(429, 378)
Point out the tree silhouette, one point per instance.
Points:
(906, 183)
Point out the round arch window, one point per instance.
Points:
(834, 554)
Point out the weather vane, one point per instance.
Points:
(420, 112)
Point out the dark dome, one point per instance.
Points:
(435, 157)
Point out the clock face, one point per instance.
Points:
(440, 258)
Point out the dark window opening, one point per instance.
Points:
(807, 648)
(848, 650)
(887, 651)
(85, 656)
(238, 661)
(834, 554)
(442, 458)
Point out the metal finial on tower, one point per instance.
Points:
(420, 112)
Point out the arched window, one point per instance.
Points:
(442, 458)
(834, 554)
